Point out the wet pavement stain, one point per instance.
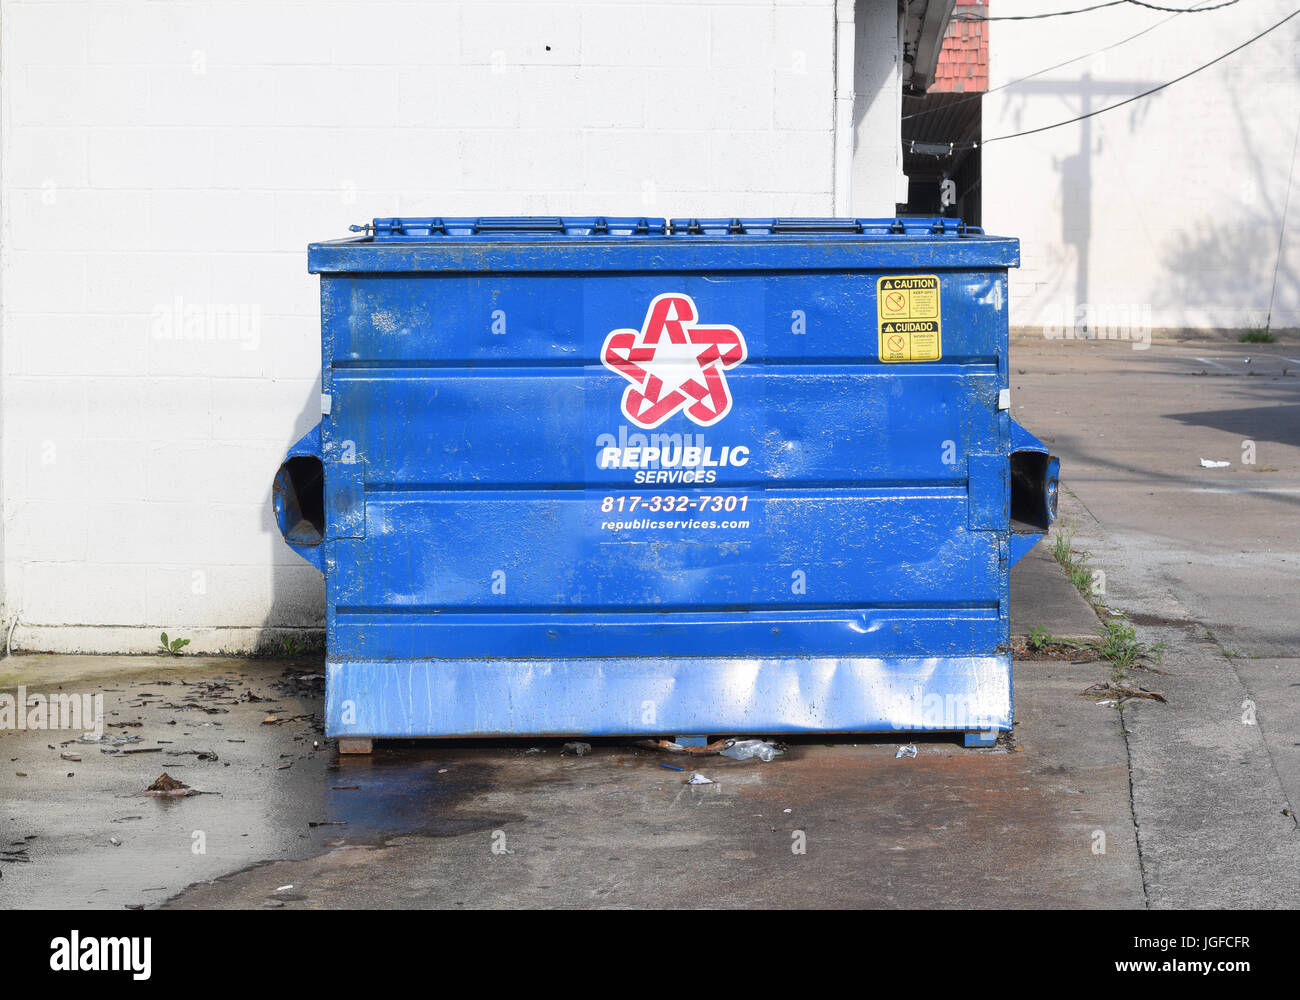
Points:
(410, 789)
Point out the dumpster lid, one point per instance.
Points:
(638, 243)
(512, 226)
(823, 227)
(410, 229)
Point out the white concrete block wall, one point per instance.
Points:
(164, 164)
(1168, 209)
(877, 151)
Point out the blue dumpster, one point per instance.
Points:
(618, 476)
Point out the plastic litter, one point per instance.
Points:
(1207, 463)
(907, 751)
(745, 749)
(698, 779)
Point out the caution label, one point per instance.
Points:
(907, 311)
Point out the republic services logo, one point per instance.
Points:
(673, 364)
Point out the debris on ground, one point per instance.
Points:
(907, 751)
(275, 720)
(297, 684)
(717, 746)
(1117, 694)
(745, 749)
(671, 767)
(576, 749)
(183, 707)
(1210, 464)
(167, 785)
(196, 754)
(733, 748)
(112, 740)
(698, 779)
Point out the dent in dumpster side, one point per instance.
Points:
(613, 476)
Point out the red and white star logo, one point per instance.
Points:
(673, 364)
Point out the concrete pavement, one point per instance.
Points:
(1206, 561)
(1042, 597)
(1043, 821)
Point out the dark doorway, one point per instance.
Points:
(938, 129)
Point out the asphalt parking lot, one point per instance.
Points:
(1178, 804)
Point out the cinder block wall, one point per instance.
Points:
(164, 164)
(1167, 211)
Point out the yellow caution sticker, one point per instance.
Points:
(907, 308)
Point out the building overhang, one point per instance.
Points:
(925, 23)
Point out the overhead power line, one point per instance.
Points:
(1099, 6)
(1135, 97)
(1049, 69)
(1153, 90)
(1181, 10)
(1037, 17)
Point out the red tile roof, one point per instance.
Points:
(964, 59)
